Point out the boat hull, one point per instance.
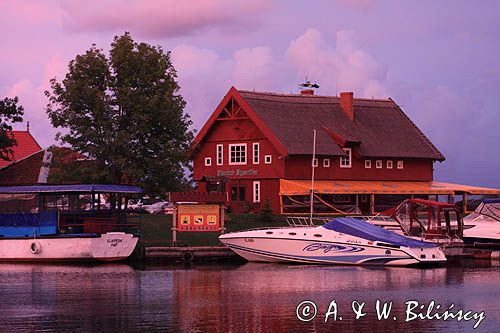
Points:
(261, 248)
(111, 246)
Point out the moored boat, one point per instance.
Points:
(482, 227)
(66, 223)
(426, 220)
(342, 241)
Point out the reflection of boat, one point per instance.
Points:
(483, 225)
(427, 220)
(340, 241)
(52, 222)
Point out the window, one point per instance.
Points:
(326, 162)
(341, 198)
(220, 154)
(208, 161)
(345, 161)
(368, 164)
(255, 153)
(378, 164)
(315, 163)
(400, 164)
(389, 164)
(238, 154)
(238, 193)
(267, 159)
(256, 191)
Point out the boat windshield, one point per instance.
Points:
(491, 210)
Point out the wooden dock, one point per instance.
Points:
(189, 253)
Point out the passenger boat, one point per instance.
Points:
(426, 220)
(66, 222)
(342, 241)
(482, 227)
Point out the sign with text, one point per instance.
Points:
(198, 217)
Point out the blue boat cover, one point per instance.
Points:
(83, 188)
(28, 224)
(492, 200)
(372, 232)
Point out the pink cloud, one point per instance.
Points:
(157, 18)
(340, 67)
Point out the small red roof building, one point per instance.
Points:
(26, 146)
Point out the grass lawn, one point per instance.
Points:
(156, 230)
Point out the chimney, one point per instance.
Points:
(308, 92)
(346, 104)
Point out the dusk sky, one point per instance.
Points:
(439, 60)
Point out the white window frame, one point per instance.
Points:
(268, 159)
(379, 164)
(400, 164)
(368, 164)
(315, 163)
(348, 158)
(220, 154)
(256, 191)
(389, 164)
(244, 155)
(208, 161)
(326, 163)
(255, 153)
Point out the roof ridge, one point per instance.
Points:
(309, 96)
(22, 159)
(424, 137)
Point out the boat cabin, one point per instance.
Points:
(44, 210)
(428, 219)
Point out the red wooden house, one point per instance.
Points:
(257, 147)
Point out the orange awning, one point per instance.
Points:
(303, 187)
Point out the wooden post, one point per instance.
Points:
(372, 204)
(222, 228)
(465, 203)
(357, 201)
(174, 225)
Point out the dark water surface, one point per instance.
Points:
(239, 298)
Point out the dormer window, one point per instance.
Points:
(346, 161)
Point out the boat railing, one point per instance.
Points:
(299, 221)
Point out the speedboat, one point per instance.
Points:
(431, 221)
(482, 227)
(65, 223)
(341, 241)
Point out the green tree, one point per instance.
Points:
(10, 112)
(124, 111)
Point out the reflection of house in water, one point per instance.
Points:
(257, 148)
(263, 298)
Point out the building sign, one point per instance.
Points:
(198, 217)
(237, 173)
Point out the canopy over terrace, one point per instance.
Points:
(348, 193)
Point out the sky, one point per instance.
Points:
(439, 60)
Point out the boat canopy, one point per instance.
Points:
(82, 188)
(371, 232)
(491, 200)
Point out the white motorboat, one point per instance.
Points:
(65, 223)
(482, 227)
(342, 241)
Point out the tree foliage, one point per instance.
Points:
(125, 112)
(10, 112)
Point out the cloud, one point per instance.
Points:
(32, 98)
(344, 66)
(255, 68)
(159, 18)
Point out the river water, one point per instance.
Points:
(244, 298)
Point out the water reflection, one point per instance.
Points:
(250, 297)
